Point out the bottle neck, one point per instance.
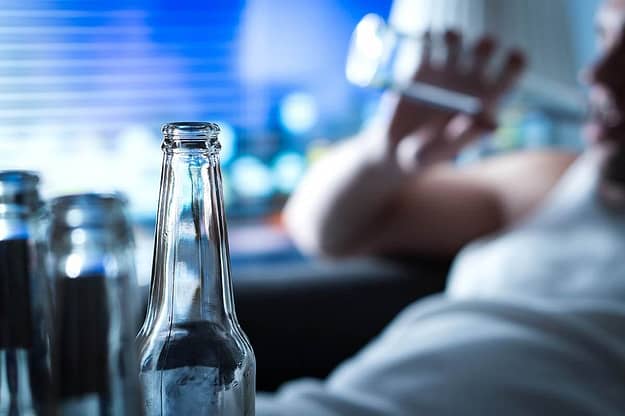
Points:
(191, 271)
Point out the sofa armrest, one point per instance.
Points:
(304, 318)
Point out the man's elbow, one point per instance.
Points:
(314, 237)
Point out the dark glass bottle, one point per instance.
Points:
(91, 261)
(194, 357)
(25, 312)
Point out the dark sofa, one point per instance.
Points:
(305, 317)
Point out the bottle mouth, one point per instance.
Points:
(89, 210)
(19, 191)
(191, 135)
(19, 178)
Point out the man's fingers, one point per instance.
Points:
(436, 126)
(482, 52)
(510, 73)
(426, 54)
(459, 132)
(411, 145)
(427, 48)
(467, 131)
(453, 44)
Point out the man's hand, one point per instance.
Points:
(419, 135)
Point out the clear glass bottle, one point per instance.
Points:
(194, 357)
(91, 261)
(25, 313)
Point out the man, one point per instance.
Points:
(531, 322)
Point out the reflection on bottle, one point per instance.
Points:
(198, 357)
(82, 329)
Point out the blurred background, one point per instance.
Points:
(86, 85)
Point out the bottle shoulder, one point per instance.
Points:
(196, 344)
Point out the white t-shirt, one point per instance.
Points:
(533, 322)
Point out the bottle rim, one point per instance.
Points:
(191, 135)
(89, 198)
(19, 192)
(19, 178)
(88, 209)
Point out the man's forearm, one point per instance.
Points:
(339, 201)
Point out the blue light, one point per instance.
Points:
(250, 178)
(228, 140)
(288, 169)
(226, 188)
(91, 82)
(298, 113)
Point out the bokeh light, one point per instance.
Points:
(228, 140)
(288, 168)
(298, 112)
(251, 178)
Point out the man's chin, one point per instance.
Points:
(598, 133)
